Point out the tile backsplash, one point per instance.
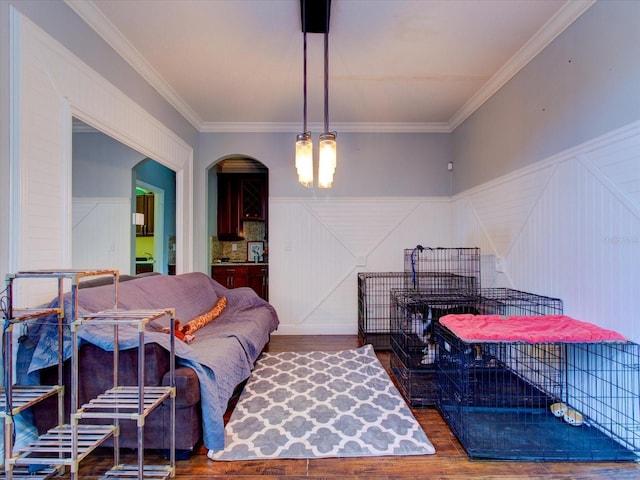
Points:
(253, 231)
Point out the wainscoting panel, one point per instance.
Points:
(575, 234)
(618, 167)
(504, 213)
(102, 233)
(317, 247)
(39, 204)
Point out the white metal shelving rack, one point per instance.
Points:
(50, 453)
(15, 399)
(66, 445)
(130, 402)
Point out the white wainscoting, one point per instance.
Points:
(568, 227)
(317, 247)
(102, 232)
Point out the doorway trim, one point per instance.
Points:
(158, 226)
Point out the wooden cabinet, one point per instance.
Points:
(145, 204)
(229, 225)
(234, 276)
(259, 280)
(253, 197)
(240, 197)
(231, 276)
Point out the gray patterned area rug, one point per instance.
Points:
(321, 404)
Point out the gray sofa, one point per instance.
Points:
(208, 370)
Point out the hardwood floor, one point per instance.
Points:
(450, 461)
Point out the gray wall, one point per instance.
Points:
(97, 157)
(584, 84)
(369, 164)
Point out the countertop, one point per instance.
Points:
(226, 264)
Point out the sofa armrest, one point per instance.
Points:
(187, 386)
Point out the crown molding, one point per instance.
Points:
(288, 127)
(564, 17)
(87, 10)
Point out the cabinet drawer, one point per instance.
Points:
(230, 270)
(144, 268)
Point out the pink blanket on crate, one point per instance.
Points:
(529, 329)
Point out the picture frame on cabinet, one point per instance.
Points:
(255, 249)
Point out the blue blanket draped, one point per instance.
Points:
(222, 355)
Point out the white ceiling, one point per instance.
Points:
(394, 65)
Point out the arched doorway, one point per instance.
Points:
(238, 220)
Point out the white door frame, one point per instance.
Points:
(158, 226)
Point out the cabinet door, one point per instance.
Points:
(259, 280)
(240, 279)
(254, 197)
(228, 207)
(149, 218)
(231, 276)
(145, 204)
(219, 276)
(140, 208)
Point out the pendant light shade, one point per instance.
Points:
(304, 159)
(327, 166)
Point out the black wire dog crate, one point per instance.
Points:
(414, 349)
(374, 304)
(454, 270)
(541, 402)
(507, 301)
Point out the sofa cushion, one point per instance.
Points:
(191, 294)
(187, 386)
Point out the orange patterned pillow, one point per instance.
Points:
(178, 332)
(201, 320)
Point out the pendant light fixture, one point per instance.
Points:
(304, 143)
(327, 143)
(327, 149)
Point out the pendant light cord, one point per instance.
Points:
(304, 68)
(326, 70)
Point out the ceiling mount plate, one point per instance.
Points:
(316, 15)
